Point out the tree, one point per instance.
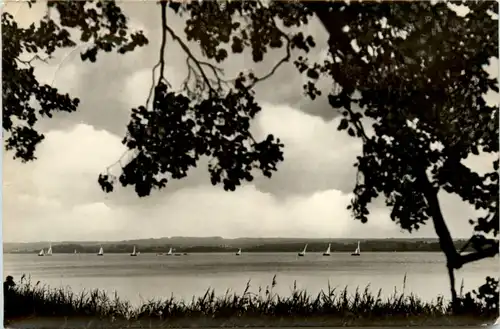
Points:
(415, 70)
(102, 27)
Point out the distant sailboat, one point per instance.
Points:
(169, 253)
(101, 252)
(357, 252)
(41, 253)
(134, 253)
(49, 252)
(303, 252)
(238, 253)
(75, 252)
(327, 252)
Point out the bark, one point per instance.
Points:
(445, 239)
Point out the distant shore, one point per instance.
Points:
(250, 245)
(33, 305)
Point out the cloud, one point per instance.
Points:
(57, 197)
(317, 156)
(45, 196)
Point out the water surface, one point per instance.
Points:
(149, 276)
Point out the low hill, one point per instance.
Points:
(219, 244)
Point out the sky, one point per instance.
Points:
(57, 197)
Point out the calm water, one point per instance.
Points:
(147, 276)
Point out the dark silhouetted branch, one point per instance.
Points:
(163, 4)
(36, 57)
(285, 59)
(190, 54)
(491, 251)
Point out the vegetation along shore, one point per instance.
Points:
(27, 301)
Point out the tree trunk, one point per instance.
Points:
(333, 22)
(445, 239)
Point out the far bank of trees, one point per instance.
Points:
(314, 246)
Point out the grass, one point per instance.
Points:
(38, 303)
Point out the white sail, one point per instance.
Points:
(134, 253)
(49, 252)
(239, 252)
(101, 252)
(303, 252)
(75, 251)
(327, 252)
(169, 252)
(41, 253)
(357, 252)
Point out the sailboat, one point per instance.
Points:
(133, 252)
(327, 252)
(49, 251)
(357, 252)
(101, 252)
(41, 253)
(303, 252)
(238, 253)
(169, 253)
(75, 252)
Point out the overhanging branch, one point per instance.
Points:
(190, 55)
(491, 251)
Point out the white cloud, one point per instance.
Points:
(57, 197)
(62, 72)
(69, 162)
(317, 156)
(59, 191)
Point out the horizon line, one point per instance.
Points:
(219, 237)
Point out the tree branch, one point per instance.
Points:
(491, 251)
(445, 239)
(190, 54)
(277, 65)
(163, 4)
(36, 57)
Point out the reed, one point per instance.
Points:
(27, 300)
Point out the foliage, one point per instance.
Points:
(28, 299)
(177, 135)
(215, 120)
(487, 296)
(415, 70)
(25, 100)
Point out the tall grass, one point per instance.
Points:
(28, 299)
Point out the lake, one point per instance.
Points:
(149, 276)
